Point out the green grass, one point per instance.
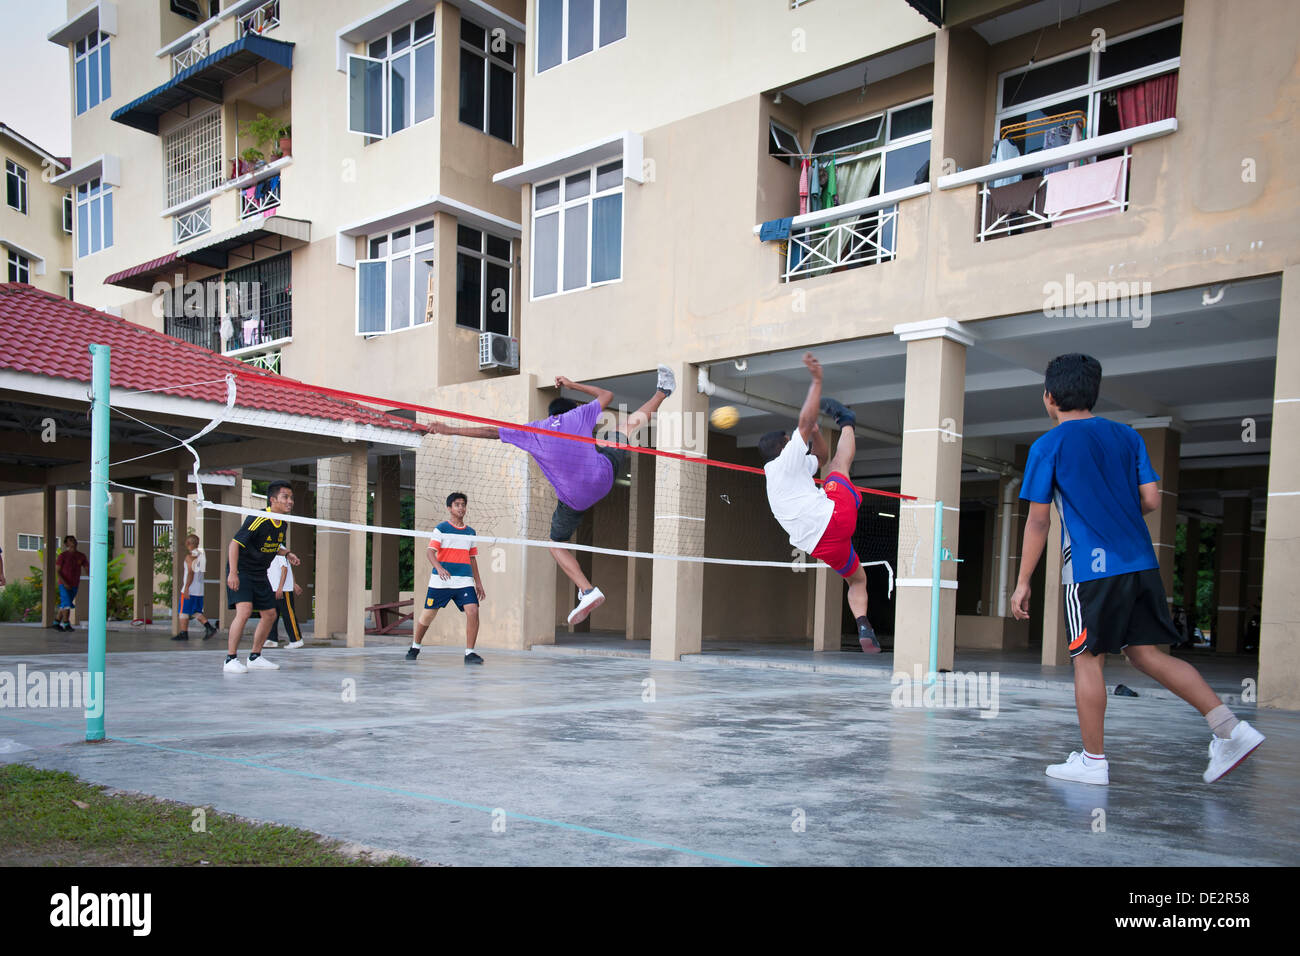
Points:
(43, 823)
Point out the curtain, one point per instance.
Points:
(855, 180)
(1148, 102)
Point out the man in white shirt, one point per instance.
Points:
(820, 521)
(280, 576)
(192, 606)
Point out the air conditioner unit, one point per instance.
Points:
(497, 351)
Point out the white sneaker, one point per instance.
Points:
(235, 666)
(1226, 754)
(1080, 771)
(292, 644)
(261, 664)
(270, 643)
(588, 602)
(667, 380)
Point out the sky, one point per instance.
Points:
(38, 71)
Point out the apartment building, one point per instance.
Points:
(1004, 182)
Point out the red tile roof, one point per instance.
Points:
(45, 334)
(146, 269)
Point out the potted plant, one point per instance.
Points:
(263, 131)
(250, 159)
(284, 135)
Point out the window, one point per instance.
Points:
(482, 281)
(782, 140)
(93, 81)
(578, 230)
(566, 29)
(16, 186)
(392, 284)
(487, 81)
(162, 531)
(128, 533)
(19, 268)
(71, 298)
(1085, 81)
(196, 10)
(880, 153)
(192, 159)
(29, 542)
(259, 303)
(67, 213)
(94, 217)
(393, 86)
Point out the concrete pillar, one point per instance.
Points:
(232, 495)
(933, 413)
(678, 586)
(302, 542)
(180, 529)
(144, 519)
(1230, 616)
(384, 584)
(356, 586)
(1163, 446)
(959, 134)
(1191, 568)
(213, 545)
(640, 537)
(537, 624)
(49, 544)
(1056, 636)
(333, 501)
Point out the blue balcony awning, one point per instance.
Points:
(204, 79)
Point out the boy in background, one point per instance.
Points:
(196, 563)
(454, 578)
(69, 566)
(280, 577)
(1099, 476)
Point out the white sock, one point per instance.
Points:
(469, 651)
(415, 645)
(1089, 759)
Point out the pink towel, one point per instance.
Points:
(1085, 192)
(803, 187)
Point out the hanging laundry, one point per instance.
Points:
(814, 185)
(1054, 137)
(803, 187)
(832, 191)
(1005, 149)
(775, 229)
(1087, 192)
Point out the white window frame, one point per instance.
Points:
(416, 297)
(1093, 89)
(128, 532)
(771, 136)
(19, 175)
(96, 190)
(564, 34)
(20, 268)
(92, 45)
(490, 57)
(386, 65)
(27, 539)
(483, 258)
(559, 209)
(886, 117)
(67, 212)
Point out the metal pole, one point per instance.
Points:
(937, 580)
(98, 540)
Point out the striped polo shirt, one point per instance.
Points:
(454, 547)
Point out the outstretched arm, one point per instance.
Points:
(604, 396)
(466, 431)
(1036, 527)
(812, 404)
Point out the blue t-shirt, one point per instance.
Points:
(1091, 468)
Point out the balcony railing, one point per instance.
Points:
(855, 234)
(266, 17)
(196, 222)
(261, 198)
(184, 59)
(195, 329)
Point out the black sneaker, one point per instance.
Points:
(66, 628)
(182, 636)
(57, 625)
(842, 414)
(208, 630)
(412, 653)
(472, 658)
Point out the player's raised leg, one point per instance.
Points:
(663, 388)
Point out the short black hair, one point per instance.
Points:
(274, 487)
(559, 406)
(457, 494)
(1073, 381)
(771, 445)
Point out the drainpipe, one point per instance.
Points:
(708, 387)
(1004, 552)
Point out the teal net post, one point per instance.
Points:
(98, 541)
(937, 575)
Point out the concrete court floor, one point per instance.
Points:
(574, 767)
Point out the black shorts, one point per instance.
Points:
(438, 598)
(1106, 615)
(565, 520)
(253, 587)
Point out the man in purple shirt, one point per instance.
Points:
(581, 473)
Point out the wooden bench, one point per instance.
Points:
(389, 617)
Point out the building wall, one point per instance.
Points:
(40, 229)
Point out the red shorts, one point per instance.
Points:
(835, 548)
